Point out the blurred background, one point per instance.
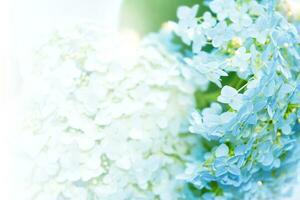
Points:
(31, 22)
(148, 16)
(34, 20)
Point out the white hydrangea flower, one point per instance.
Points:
(105, 119)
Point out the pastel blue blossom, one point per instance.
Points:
(220, 34)
(230, 96)
(222, 151)
(240, 60)
(241, 19)
(208, 20)
(207, 68)
(188, 22)
(223, 8)
(252, 135)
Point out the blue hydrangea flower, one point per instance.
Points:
(231, 97)
(188, 22)
(252, 135)
(223, 8)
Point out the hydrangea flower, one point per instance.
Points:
(103, 125)
(240, 60)
(223, 8)
(187, 22)
(251, 135)
(231, 97)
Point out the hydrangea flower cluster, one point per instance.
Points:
(106, 123)
(251, 131)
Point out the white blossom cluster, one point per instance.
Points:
(104, 120)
